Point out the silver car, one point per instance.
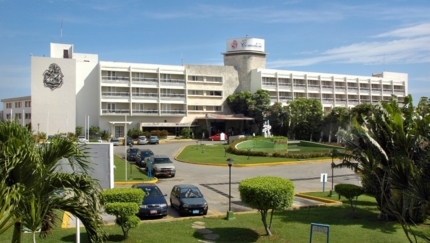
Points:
(161, 165)
(115, 141)
(142, 140)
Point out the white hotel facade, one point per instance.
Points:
(71, 89)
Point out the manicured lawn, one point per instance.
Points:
(214, 154)
(119, 172)
(288, 226)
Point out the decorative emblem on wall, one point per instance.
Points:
(53, 77)
(234, 44)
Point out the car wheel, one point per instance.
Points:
(212, 139)
(181, 211)
(173, 175)
(205, 212)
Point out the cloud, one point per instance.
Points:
(413, 48)
(413, 31)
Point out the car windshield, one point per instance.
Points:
(146, 154)
(190, 193)
(162, 160)
(134, 151)
(152, 192)
(153, 137)
(115, 140)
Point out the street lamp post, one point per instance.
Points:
(249, 151)
(203, 149)
(197, 145)
(131, 167)
(230, 214)
(332, 173)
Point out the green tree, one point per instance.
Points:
(79, 130)
(94, 130)
(186, 132)
(338, 117)
(259, 105)
(278, 117)
(239, 102)
(124, 203)
(134, 133)
(390, 150)
(349, 191)
(361, 111)
(305, 118)
(44, 188)
(266, 193)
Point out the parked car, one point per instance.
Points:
(153, 140)
(115, 141)
(130, 141)
(188, 200)
(154, 203)
(81, 139)
(131, 153)
(219, 137)
(142, 140)
(141, 155)
(161, 165)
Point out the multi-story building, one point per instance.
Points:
(72, 89)
(18, 109)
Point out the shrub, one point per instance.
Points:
(349, 191)
(186, 132)
(124, 203)
(267, 192)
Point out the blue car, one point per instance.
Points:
(154, 204)
(153, 140)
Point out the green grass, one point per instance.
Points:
(214, 154)
(119, 172)
(288, 226)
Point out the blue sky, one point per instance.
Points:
(348, 37)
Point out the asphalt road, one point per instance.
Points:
(213, 181)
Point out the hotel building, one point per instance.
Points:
(70, 89)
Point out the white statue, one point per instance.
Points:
(266, 129)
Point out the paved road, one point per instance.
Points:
(213, 181)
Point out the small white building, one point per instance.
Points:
(18, 109)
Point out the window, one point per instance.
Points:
(27, 115)
(28, 104)
(119, 131)
(17, 104)
(195, 92)
(194, 78)
(110, 107)
(18, 116)
(9, 105)
(214, 93)
(8, 116)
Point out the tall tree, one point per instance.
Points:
(259, 105)
(278, 119)
(338, 117)
(44, 187)
(305, 118)
(390, 150)
(239, 102)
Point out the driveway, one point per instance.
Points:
(213, 181)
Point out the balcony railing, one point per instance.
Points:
(173, 112)
(145, 80)
(376, 89)
(148, 111)
(116, 94)
(175, 96)
(285, 84)
(115, 111)
(145, 95)
(364, 88)
(341, 87)
(173, 81)
(115, 79)
(269, 83)
(286, 97)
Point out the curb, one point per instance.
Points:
(327, 201)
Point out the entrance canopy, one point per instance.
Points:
(165, 124)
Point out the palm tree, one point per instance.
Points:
(45, 187)
(390, 149)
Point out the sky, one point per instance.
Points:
(342, 37)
